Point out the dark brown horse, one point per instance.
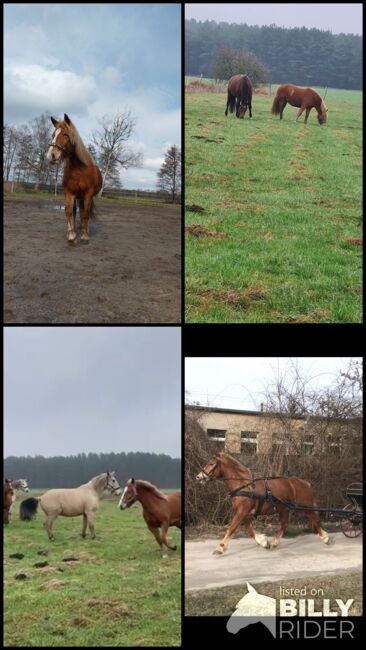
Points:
(82, 178)
(159, 510)
(303, 98)
(9, 496)
(245, 508)
(239, 95)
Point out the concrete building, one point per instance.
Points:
(257, 432)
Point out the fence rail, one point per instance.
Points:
(13, 187)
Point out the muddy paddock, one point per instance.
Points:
(130, 272)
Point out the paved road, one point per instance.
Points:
(245, 560)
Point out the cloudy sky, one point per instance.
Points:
(335, 17)
(239, 383)
(94, 60)
(92, 389)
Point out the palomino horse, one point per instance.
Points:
(83, 500)
(9, 496)
(82, 178)
(302, 98)
(159, 510)
(222, 466)
(239, 95)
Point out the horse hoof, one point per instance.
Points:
(173, 548)
(218, 551)
(72, 242)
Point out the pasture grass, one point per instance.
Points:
(279, 207)
(117, 592)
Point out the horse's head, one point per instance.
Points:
(243, 109)
(61, 145)
(211, 470)
(112, 484)
(129, 495)
(322, 115)
(23, 484)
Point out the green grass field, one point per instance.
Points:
(118, 592)
(273, 212)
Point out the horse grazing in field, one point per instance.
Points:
(82, 178)
(239, 95)
(159, 510)
(9, 497)
(83, 500)
(303, 98)
(245, 508)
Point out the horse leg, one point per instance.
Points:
(282, 103)
(85, 523)
(307, 115)
(250, 108)
(156, 533)
(84, 216)
(227, 104)
(260, 538)
(163, 533)
(70, 220)
(284, 517)
(315, 524)
(90, 518)
(48, 525)
(6, 516)
(238, 518)
(299, 113)
(237, 105)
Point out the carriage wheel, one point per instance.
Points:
(351, 527)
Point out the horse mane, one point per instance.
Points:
(152, 488)
(80, 149)
(323, 110)
(234, 464)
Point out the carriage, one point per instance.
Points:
(351, 524)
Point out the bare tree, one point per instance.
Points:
(169, 175)
(111, 142)
(11, 143)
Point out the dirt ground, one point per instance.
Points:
(130, 272)
(245, 560)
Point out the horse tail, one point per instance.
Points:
(276, 106)
(93, 210)
(28, 508)
(231, 101)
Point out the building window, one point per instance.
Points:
(281, 443)
(216, 434)
(249, 442)
(308, 446)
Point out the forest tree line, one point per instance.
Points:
(71, 471)
(306, 57)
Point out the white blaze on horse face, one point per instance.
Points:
(52, 155)
(122, 503)
(201, 477)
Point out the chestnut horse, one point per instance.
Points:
(303, 98)
(222, 466)
(239, 94)
(82, 178)
(159, 510)
(9, 496)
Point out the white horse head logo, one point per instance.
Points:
(253, 608)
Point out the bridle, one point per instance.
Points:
(58, 146)
(112, 489)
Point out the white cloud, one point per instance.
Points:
(153, 164)
(111, 76)
(35, 88)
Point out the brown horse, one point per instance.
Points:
(239, 94)
(303, 98)
(82, 178)
(245, 508)
(159, 510)
(9, 496)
